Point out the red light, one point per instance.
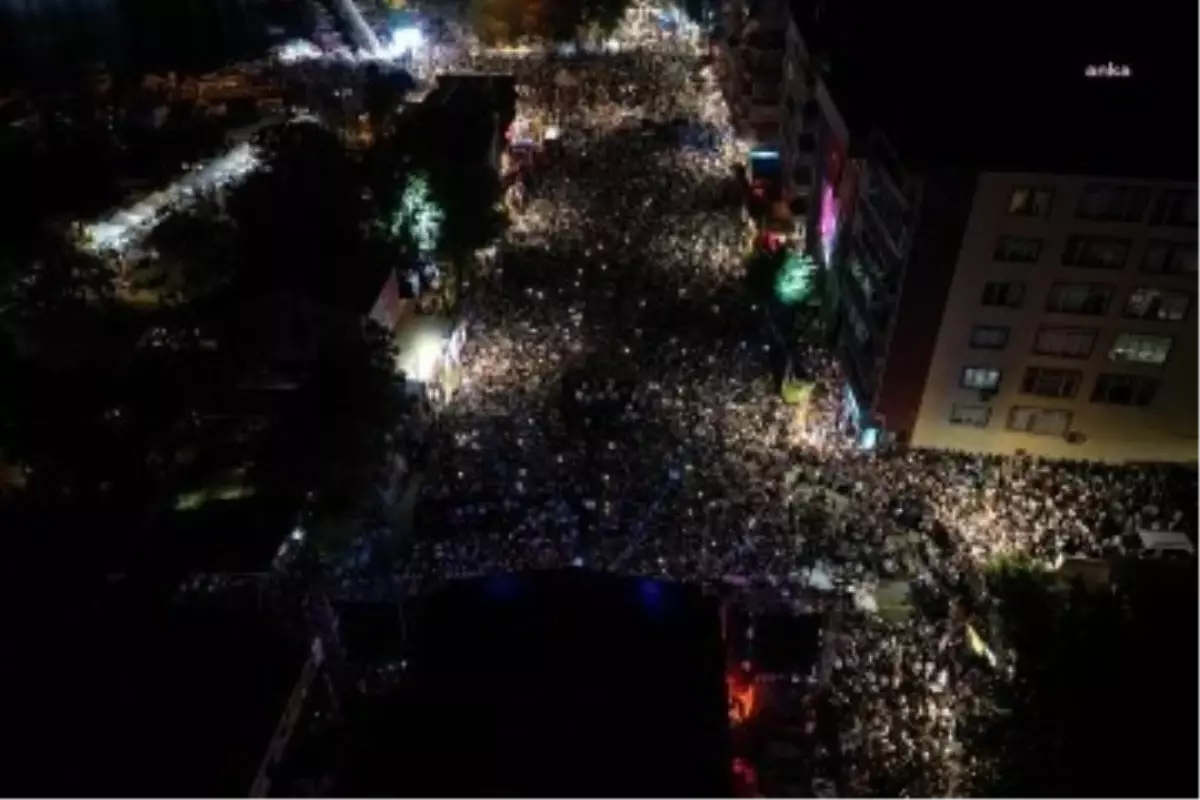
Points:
(742, 697)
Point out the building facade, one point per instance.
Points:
(770, 85)
(985, 289)
(1069, 329)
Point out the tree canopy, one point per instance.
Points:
(506, 21)
(103, 399)
(302, 220)
(336, 435)
(1104, 696)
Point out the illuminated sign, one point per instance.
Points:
(1109, 70)
(829, 222)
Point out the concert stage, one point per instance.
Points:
(564, 682)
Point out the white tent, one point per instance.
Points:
(1165, 541)
(421, 345)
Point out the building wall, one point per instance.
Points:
(870, 270)
(1163, 429)
(937, 233)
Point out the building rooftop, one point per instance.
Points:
(562, 683)
(1006, 89)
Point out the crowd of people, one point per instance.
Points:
(618, 411)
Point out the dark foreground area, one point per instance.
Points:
(553, 683)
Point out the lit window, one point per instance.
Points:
(1140, 348)
(1030, 201)
(983, 378)
(1157, 304)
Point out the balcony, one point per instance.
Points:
(880, 259)
(859, 360)
(886, 223)
(874, 310)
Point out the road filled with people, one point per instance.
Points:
(619, 410)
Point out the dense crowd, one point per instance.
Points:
(619, 410)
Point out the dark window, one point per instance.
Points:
(1003, 293)
(1051, 382)
(1109, 202)
(1099, 252)
(970, 416)
(1169, 258)
(1124, 390)
(1175, 208)
(983, 378)
(989, 337)
(1065, 342)
(1085, 299)
(1018, 249)
(1030, 201)
(1163, 305)
(1039, 421)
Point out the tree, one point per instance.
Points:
(57, 299)
(197, 250)
(463, 192)
(1096, 671)
(385, 90)
(508, 21)
(337, 435)
(501, 22)
(302, 220)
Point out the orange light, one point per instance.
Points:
(742, 700)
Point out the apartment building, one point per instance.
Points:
(1068, 329)
(765, 73)
(1013, 268)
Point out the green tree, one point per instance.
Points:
(507, 21)
(494, 21)
(336, 436)
(197, 251)
(465, 192)
(1096, 672)
(301, 221)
